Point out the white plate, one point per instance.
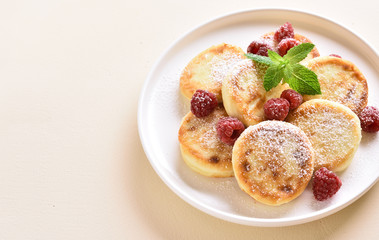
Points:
(161, 108)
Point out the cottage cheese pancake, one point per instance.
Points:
(201, 148)
(207, 70)
(243, 92)
(273, 162)
(340, 81)
(333, 129)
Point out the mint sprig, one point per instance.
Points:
(288, 69)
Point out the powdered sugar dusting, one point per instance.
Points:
(279, 157)
(209, 139)
(220, 65)
(334, 134)
(340, 81)
(204, 134)
(282, 142)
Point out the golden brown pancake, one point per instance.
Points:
(273, 162)
(207, 70)
(333, 129)
(244, 95)
(340, 81)
(201, 148)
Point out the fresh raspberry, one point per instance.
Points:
(286, 44)
(284, 31)
(369, 119)
(325, 184)
(335, 55)
(229, 129)
(293, 97)
(258, 47)
(276, 109)
(203, 103)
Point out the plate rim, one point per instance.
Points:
(244, 220)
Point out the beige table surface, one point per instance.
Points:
(72, 165)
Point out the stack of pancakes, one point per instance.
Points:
(272, 161)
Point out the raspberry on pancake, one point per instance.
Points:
(201, 148)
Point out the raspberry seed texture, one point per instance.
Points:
(286, 44)
(293, 97)
(276, 109)
(284, 31)
(325, 184)
(369, 119)
(259, 48)
(229, 129)
(203, 103)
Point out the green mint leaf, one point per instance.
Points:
(287, 71)
(303, 80)
(259, 58)
(273, 76)
(298, 53)
(275, 57)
